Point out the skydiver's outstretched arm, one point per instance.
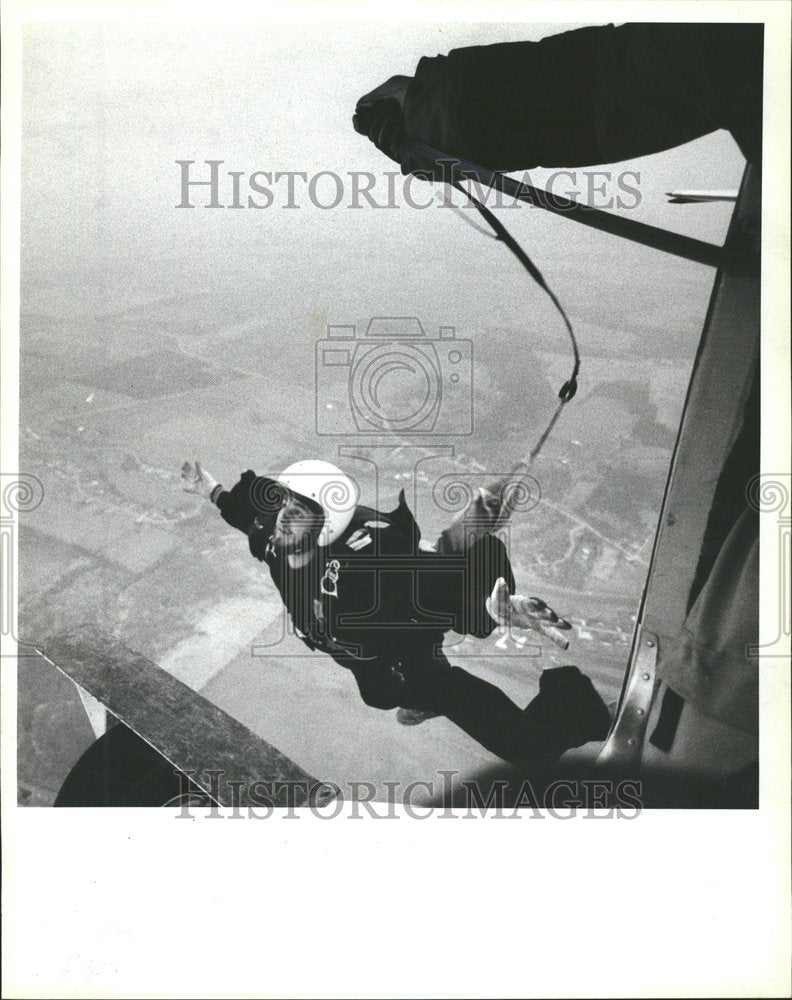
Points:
(197, 480)
(250, 506)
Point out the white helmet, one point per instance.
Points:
(329, 488)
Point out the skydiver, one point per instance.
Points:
(363, 587)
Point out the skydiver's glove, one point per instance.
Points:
(526, 613)
(379, 115)
(197, 480)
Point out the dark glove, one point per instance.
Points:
(379, 115)
(252, 498)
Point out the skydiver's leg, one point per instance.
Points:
(476, 520)
(566, 713)
(487, 562)
(470, 534)
(458, 586)
(380, 687)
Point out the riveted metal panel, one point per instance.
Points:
(623, 745)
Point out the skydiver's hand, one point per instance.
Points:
(379, 115)
(526, 613)
(381, 107)
(197, 480)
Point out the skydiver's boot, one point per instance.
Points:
(516, 611)
(569, 704)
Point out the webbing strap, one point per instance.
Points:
(568, 389)
(607, 222)
(454, 172)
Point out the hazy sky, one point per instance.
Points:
(109, 108)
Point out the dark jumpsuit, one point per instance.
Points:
(380, 607)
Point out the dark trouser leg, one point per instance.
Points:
(476, 521)
(487, 561)
(458, 586)
(567, 712)
(379, 686)
(470, 535)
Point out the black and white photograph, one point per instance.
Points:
(395, 407)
